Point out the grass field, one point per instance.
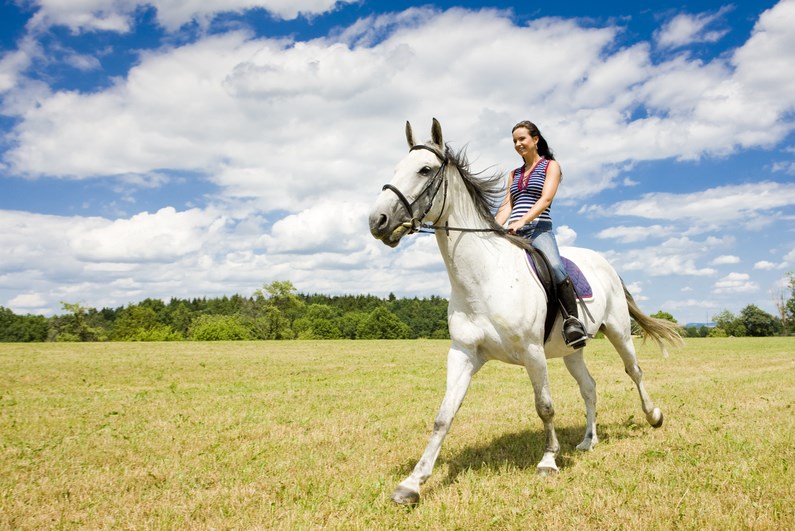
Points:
(311, 435)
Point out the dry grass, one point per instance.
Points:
(308, 435)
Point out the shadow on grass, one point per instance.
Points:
(524, 449)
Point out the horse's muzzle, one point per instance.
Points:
(384, 229)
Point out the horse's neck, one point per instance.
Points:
(471, 258)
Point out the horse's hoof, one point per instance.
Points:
(656, 419)
(547, 465)
(405, 496)
(586, 445)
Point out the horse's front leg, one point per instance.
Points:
(461, 366)
(536, 365)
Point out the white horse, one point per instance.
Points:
(497, 305)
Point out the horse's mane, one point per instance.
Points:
(487, 192)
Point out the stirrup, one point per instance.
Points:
(574, 333)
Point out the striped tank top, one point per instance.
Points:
(526, 191)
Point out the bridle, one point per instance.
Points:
(414, 224)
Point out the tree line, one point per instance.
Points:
(752, 321)
(277, 311)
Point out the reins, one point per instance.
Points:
(447, 228)
(413, 224)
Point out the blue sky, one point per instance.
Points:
(163, 148)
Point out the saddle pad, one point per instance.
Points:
(581, 284)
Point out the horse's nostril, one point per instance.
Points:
(378, 224)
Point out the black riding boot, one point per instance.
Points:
(573, 330)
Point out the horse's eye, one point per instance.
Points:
(425, 170)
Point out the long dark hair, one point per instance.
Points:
(543, 147)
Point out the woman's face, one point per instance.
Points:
(523, 143)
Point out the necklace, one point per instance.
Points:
(525, 179)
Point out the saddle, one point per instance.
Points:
(541, 267)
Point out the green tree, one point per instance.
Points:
(758, 323)
(729, 323)
(77, 325)
(695, 331)
(664, 315)
(786, 307)
(140, 323)
(383, 324)
(19, 328)
(318, 322)
(282, 295)
(178, 315)
(717, 332)
(218, 328)
(350, 322)
(133, 320)
(271, 324)
(316, 328)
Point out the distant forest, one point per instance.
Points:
(277, 311)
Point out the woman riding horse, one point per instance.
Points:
(526, 208)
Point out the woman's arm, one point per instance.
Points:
(504, 212)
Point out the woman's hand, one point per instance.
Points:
(515, 226)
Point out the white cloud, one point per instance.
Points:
(697, 305)
(27, 303)
(421, 254)
(636, 289)
(14, 63)
(163, 236)
(200, 252)
(713, 207)
(764, 265)
(82, 61)
(565, 235)
(686, 29)
(634, 234)
(768, 52)
(787, 167)
(118, 15)
(725, 259)
(735, 283)
(328, 226)
(674, 257)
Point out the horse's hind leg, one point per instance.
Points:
(460, 369)
(623, 344)
(576, 366)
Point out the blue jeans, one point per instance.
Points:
(540, 235)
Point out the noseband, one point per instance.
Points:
(414, 224)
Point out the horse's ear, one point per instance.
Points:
(436, 133)
(410, 135)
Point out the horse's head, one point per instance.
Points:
(412, 197)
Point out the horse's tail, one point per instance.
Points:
(660, 330)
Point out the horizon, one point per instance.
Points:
(152, 150)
